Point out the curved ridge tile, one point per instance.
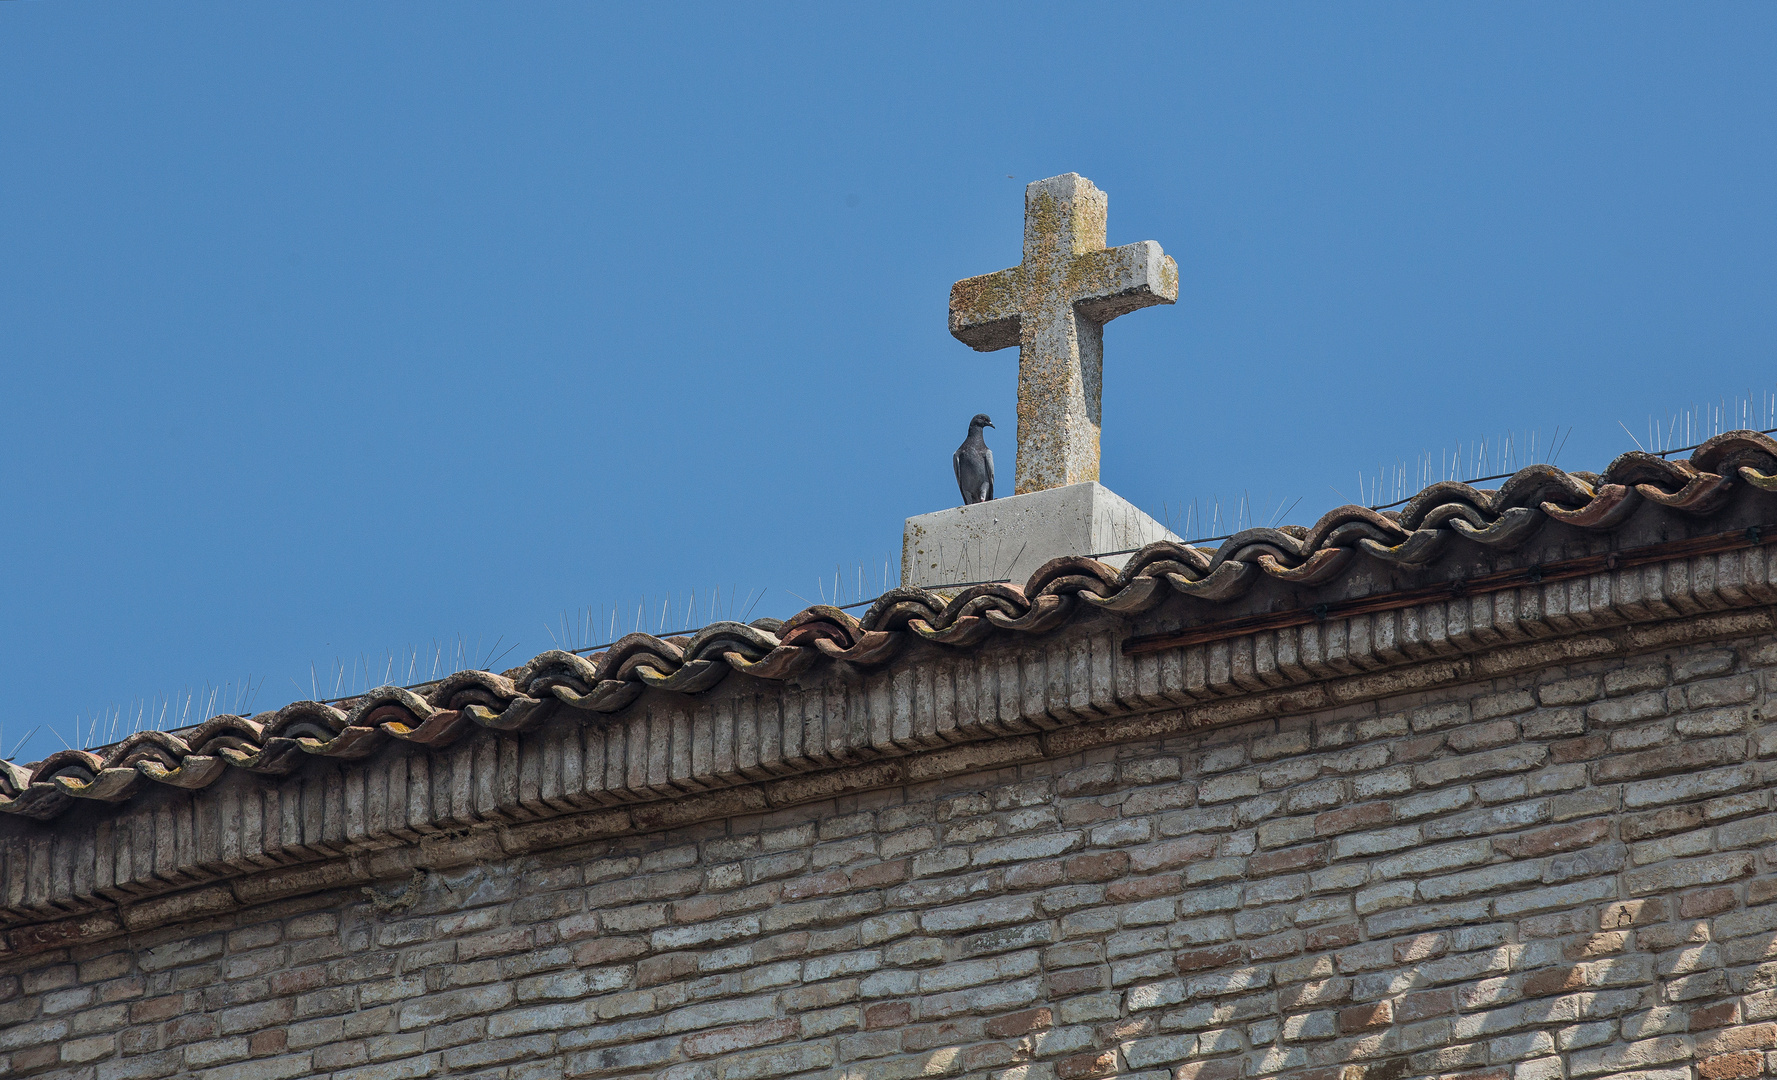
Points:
(823, 622)
(1088, 573)
(301, 719)
(75, 764)
(690, 677)
(604, 696)
(1248, 544)
(1444, 493)
(1347, 533)
(1639, 467)
(227, 730)
(636, 651)
(1225, 582)
(14, 779)
(783, 662)
(453, 690)
(719, 639)
(1531, 487)
(1513, 528)
(1416, 550)
(1701, 494)
(278, 757)
(111, 785)
(1319, 567)
(871, 647)
(1610, 507)
(1165, 557)
(166, 758)
(964, 631)
(193, 771)
(555, 668)
(1760, 480)
(1077, 584)
(349, 745)
(441, 728)
(519, 714)
(385, 703)
(1732, 451)
(39, 801)
(1138, 595)
(1046, 612)
(907, 602)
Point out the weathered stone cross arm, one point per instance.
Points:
(1122, 279)
(986, 311)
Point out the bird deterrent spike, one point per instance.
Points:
(18, 745)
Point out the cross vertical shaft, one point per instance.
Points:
(1053, 306)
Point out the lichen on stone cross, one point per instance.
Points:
(1053, 306)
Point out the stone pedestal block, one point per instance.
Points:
(1010, 538)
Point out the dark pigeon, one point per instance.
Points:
(974, 463)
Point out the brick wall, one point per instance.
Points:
(1569, 874)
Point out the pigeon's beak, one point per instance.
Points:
(990, 424)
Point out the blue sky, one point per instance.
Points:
(340, 335)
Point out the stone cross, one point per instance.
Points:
(1053, 306)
